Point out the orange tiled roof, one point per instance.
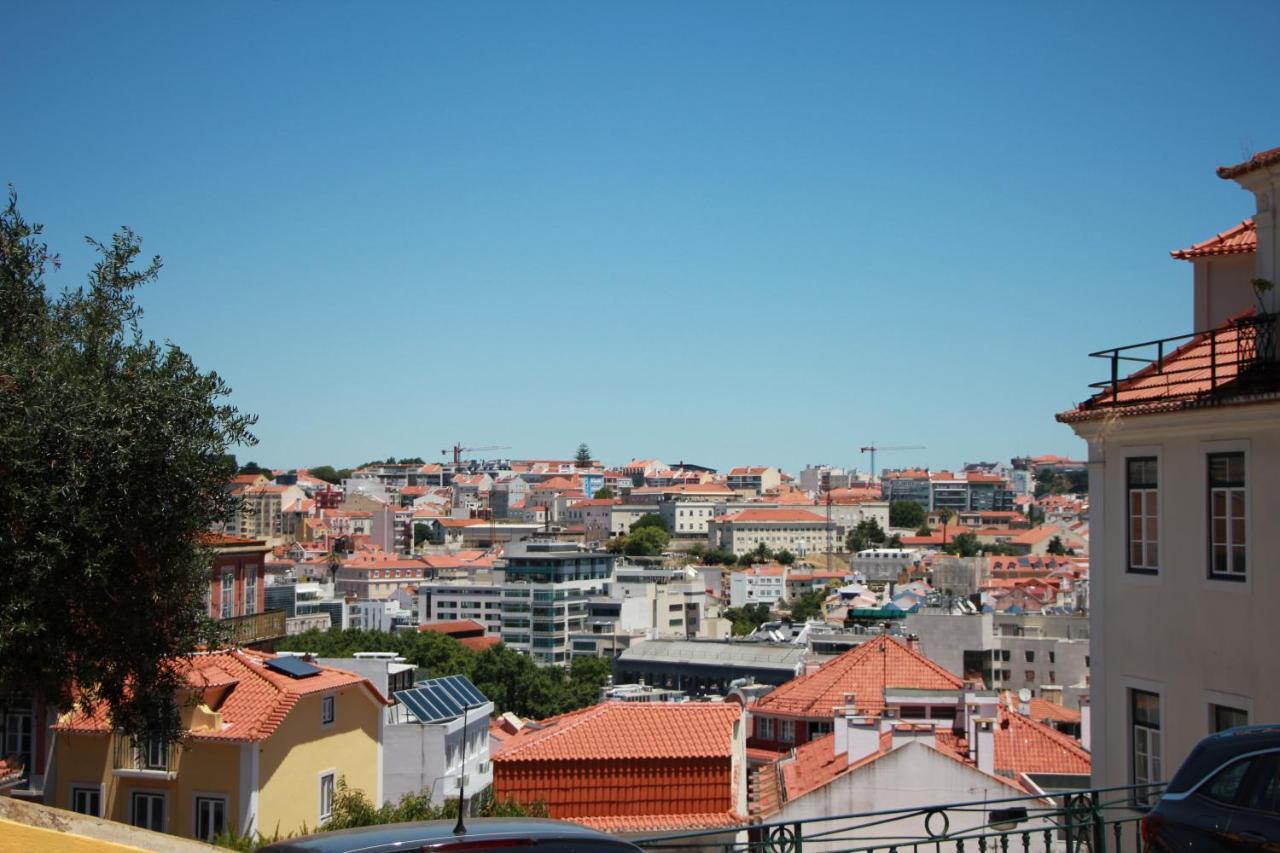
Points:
(627, 730)
(1043, 710)
(1269, 157)
(455, 627)
(1024, 746)
(864, 671)
(660, 822)
(1184, 381)
(766, 515)
(258, 700)
(1239, 240)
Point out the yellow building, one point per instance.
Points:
(267, 738)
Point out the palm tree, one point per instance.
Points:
(945, 515)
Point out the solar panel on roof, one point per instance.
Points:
(294, 667)
(441, 699)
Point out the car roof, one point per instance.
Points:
(438, 832)
(1217, 749)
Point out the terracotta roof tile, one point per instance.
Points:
(776, 515)
(1257, 161)
(258, 700)
(1239, 240)
(1025, 746)
(864, 671)
(660, 822)
(626, 730)
(1186, 377)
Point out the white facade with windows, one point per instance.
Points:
(1184, 493)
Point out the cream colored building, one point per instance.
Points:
(1183, 462)
(796, 530)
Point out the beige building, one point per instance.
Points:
(796, 530)
(1183, 456)
(754, 480)
(261, 514)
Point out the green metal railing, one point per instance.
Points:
(1097, 820)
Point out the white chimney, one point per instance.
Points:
(857, 737)
(985, 746)
(1086, 727)
(1264, 182)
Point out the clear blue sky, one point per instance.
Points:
(730, 233)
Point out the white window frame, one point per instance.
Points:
(164, 807)
(1146, 566)
(198, 799)
(1227, 577)
(251, 589)
(332, 776)
(86, 788)
(227, 601)
(1151, 747)
(328, 710)
(765, 728)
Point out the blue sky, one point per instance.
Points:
(729, 233)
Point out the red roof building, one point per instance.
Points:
(630, 767)
(803, 708)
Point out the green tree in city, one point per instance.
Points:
(906, 514)
(808, 605)
(114, 460)
(326, 473)
(894, 541)
(747, 618)
(649, 519)
(963, 545)
(945, 515)
(1056, 548)
(868, 532)
(255, 468)
(583, 457)
(605, 492)
(421, 533)
(647, 541)
(784, 557)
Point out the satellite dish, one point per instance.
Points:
(1024, 695)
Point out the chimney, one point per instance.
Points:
(985, 746)
(856, 737)
(913, 642)
(1086, 727)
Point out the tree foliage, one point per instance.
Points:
(511, 680)
(646, 541)
(113, 461)
(784, 557)
(583, 457)
(352, 808)
(747, 618)
(255, 468)
(329, 474)
(605, 492)
(808, 605)
(906, 514)
(868, 532)
(649, 519)
(963, 545)
(762, 553)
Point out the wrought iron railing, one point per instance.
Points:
(1227, 355)
(1097, 820)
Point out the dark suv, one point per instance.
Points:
(1224, 797)
(483, 835)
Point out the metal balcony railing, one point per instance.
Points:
(1238, 357)
(255, 627)
(1097, 820)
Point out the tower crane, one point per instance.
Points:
(873, 447)
(458, 450)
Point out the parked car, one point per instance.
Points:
(1224, 797)
(490, 835)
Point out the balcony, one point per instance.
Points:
(1097, 820)
(255, 628)
(144, 759)
(1236, 359)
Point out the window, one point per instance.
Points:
(1031, 657)
(87, 800)
(787, 733)
(326, 710)
(1144, 510)
(211, 817)
(1222, 717)
(147, 810)
(1262, 790)
(1227, 546)
(18, 728)
(1225, 786)
(151, 754)
(1029, 675)
(326, 796)
(228, 593)
(251, 589)
(764, 728)
(1144, 716)
(1053, 658)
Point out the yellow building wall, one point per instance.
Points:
(202, 768)
(292, 761)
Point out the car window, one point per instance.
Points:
(1261, 790)
(1225, 786)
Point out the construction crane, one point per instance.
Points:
(458, 450)
(873, 447)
